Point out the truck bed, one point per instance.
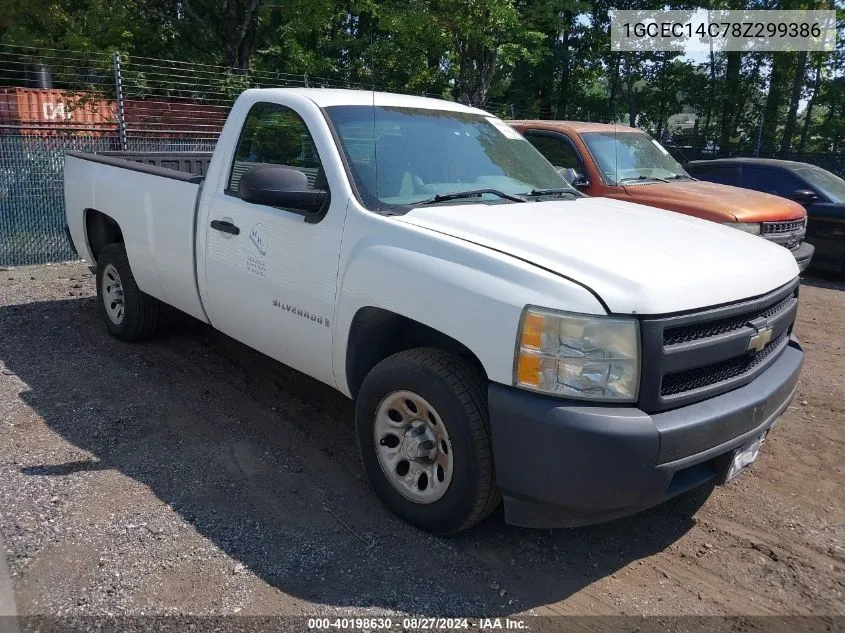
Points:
(155, 207)
(195, 163)
(189, 167)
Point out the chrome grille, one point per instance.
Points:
(771, 228)
(789, 234)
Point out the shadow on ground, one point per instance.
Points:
(821, 279)
(262, 461)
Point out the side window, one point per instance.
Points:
(776, 181)
(721, 175)
(275, 135)
(557, 150)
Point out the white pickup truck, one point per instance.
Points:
(502, 334)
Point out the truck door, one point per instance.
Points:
(270, 276)
(558, 150)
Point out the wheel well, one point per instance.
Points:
(376, 334)
(100, 230)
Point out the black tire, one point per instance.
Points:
(458, 391)
(140, 310)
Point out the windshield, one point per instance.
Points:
(628, 157)
(404, 156)
(829, 184)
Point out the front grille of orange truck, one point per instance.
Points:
(789, 234)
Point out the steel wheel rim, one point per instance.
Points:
(413, 447)
(112, 290)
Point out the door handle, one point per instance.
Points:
(225, 227)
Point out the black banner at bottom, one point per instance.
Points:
(414, 624)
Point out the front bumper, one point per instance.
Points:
(563, 464)
(803, 254)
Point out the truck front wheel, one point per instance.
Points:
(422, 426)
(129, 313)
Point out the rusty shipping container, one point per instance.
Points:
(174, 118)
(45, 112)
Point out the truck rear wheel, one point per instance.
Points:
(422, 425)
(129, 313)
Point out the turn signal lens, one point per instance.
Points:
(529, 369)
(532, 331)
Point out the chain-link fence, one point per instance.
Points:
(32, 215)
(31, 200)
(54, 102)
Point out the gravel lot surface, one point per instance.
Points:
(192, 475)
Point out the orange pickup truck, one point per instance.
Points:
(621, 162)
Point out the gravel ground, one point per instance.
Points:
(192, 475)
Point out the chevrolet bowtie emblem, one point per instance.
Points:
(760, 340)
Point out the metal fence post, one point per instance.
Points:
(118, 90)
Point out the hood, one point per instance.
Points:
(637, 259)
(712, 201)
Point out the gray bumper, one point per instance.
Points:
(562, 464)
(803, 254)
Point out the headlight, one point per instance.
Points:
(578, 356)
(747, 227)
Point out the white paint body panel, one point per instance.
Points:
(466, 270)
(324, 98)
(156, 216)
(471, 293)
(300, 260)
(638, 259)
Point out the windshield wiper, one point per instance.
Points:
(536, 193)
(680, 176)
(473, 193)
(654, 178)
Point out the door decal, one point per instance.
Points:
(259, 242)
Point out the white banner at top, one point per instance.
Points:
(719, 31)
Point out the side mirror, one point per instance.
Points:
(804, 196)
(284, 187)
(573, 177)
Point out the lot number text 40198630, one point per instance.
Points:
(415, 624)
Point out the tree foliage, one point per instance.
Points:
(529, 58)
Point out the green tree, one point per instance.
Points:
(231, 24)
